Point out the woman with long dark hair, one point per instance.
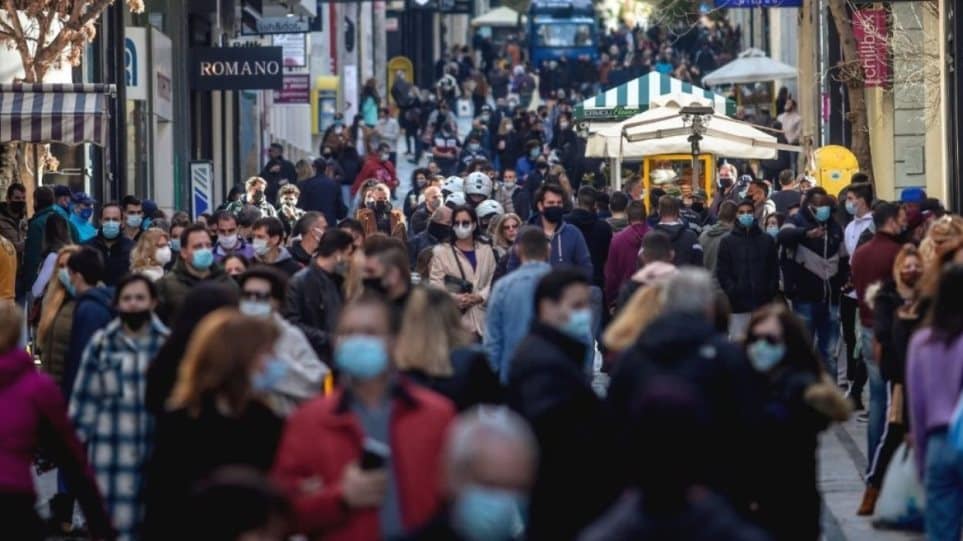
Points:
(934, 378)
(800, 402)
(465, 267)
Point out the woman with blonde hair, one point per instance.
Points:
(641, 309)
(943, 230)
(435, 350)
(304, 170)
(56, 318)
(503, 231)
(215, 415)
(151, 254)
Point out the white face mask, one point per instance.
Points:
(163, 255)
(463, 232)
(228, 242)
(260, 246)
(289, 201)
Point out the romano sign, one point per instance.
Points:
(236, 68)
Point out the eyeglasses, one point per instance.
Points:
(463, 224)
(256, 296)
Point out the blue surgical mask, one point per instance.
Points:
(175, 245)
(255, 308)
(202, 259)
(64, 276)
(488, 514)
(110, 229)
(134, 220)
(145, 225)
(850, 207)
(534, 153)
(362, 357)
(274, 371)
(764, 356)
(823, 213)
(746, 220)
(579, 324)
(773, 231)
(86, 213)
(260, 246)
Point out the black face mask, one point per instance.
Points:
(135, 320)
(441, 232)
(553, 214)
(258, 196)
(375, 285)
(379, 206)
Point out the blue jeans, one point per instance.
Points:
(877, 393)
(943, 472)
(822, 320)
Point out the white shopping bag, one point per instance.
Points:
(902, 500)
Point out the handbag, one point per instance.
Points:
(458, 285)
(895, 413)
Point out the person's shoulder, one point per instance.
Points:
(430, 401)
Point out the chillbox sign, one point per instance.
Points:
(236, 68)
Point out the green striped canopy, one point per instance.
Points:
(633, 97)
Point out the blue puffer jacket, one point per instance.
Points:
(800, 282)
(93, 311)
(567, 248)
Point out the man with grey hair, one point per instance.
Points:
(683, 345)
(490, 462)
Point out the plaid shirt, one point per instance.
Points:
(107, 407)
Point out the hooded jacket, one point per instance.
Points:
(33, 243)
(173, 288)
(32, 416)
(567, 247)
(10, 228)
(685, 243)
(810, 267)
(623, 258)
(374, 168)
(116, 256)
(747, 269)
(93, 310)
(598, 236)
(284, 263)
(710, 239)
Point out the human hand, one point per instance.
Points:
(361, 488)
(816, 232)
(275, 169)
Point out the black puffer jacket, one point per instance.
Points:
(685, 242)
(313, 303)
(598, 236)
(799, 282)
(747, 268)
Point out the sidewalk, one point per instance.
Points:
(842, 461)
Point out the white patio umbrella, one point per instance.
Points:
(503, 17)
(751, 66)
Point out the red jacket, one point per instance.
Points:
(322, 438)
(374, 168)
(623, 259)
(873, 262)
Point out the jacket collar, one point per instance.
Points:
(398, 391)
(573, 349)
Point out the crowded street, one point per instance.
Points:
(481, 270)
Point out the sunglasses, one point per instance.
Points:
(509, 226)
(463, 224)
(772, 340)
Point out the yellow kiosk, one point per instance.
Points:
(324, 102)
(682, 165)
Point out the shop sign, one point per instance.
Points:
(135, 63)
(278, 25)
(236, 68)
(758, 3)
(293, 49)
(871, 32)
(202, 177)
(296, 88)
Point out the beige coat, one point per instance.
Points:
(443, 262)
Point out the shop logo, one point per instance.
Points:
(237, 68)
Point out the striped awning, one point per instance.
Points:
(55, 113)
(633, 97)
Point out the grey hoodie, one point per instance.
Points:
(710, 240)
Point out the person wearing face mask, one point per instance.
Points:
(294, 374)
(254, 196)
(725, 188)
(195, 265)
(277, 172)
(549, 385)
(112, 243)
(82, 280)
(526, 164)
(378, 166)
(315, 294)
(151, 254)
(871, 263)
(13, 217)
(217, 416)
(505, 194)
(437, 232)
(308, 232)
(419, 182)
(566, 241)
(812, 280)
(107, 405)
(473, 150)
(490, 460)
(800, 400)
(419, 218)
(80, 213)
(747, 268)
(33, 247)
(465, 267)
(385, 271)
(269, 249)
(133, 216)
(229, 241)
(380, 478)
(898, 310)
(388, 130)
(378, 215)
(288, 210)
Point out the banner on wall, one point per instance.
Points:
(871, 31)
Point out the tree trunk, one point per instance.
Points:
(850, 73)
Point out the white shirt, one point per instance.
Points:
(853, 231)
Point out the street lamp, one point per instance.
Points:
(696, 118)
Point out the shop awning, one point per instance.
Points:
(503, 17)
(55, 113)
(633, 97)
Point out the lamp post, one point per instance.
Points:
(696, 118)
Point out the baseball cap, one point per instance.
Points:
(912, 195)
(81, 198)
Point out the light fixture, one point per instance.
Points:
(696, 118)
(290, 13)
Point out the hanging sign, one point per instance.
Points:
(296, 89)
(871, 31)
(236, 68)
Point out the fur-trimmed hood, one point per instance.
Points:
(825, 397)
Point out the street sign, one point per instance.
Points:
(202, 178)
(296, 89)
(278, 25)
(236, 68)
(758, 3)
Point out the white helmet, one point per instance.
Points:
(453, 184)
(478, 183)
(455, 199)
(489, 207)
